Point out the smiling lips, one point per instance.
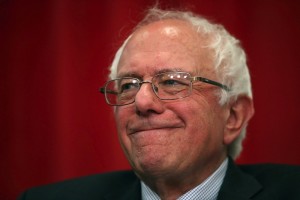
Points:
(141, 126)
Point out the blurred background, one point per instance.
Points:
(54, 54)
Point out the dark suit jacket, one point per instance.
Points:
(259, 182)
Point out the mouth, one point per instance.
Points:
(138, 129)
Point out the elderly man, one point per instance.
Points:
(182, 95)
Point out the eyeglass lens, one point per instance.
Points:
(166, 86)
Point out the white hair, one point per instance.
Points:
(229, 59)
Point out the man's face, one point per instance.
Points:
(174, 137)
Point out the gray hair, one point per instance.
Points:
(229, 59)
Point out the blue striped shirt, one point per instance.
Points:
(207, 190)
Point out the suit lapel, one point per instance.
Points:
(238, 185)
(128, 192)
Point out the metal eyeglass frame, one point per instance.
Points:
(193, 79)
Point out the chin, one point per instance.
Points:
(152, 164)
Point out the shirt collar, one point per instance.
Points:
(208, 189)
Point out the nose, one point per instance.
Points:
(146, 101)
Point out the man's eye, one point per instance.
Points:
(171, 82)
(128, 86)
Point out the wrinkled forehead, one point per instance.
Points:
(165, 32)
(177, 37)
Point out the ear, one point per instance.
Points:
(240, 112)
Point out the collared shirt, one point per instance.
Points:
(207, 190)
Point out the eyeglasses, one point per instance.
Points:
(166, 86)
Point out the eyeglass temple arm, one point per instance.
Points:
(103, 91)
(205, 80)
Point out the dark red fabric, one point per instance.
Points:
(54, 55)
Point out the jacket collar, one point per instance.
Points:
(237, 184)
(128, 192)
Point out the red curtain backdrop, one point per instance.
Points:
(54, 55)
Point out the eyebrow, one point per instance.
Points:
(170, 70)
(158, 71)
(129, 74)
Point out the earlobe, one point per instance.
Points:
(241, 111)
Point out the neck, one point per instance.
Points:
(172, 186)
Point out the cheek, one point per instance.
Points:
(201, 120)
(198, 140)
(122, 114)
(121, 117)
(193, 116)
(193, 113)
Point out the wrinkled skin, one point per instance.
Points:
(172, 145)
